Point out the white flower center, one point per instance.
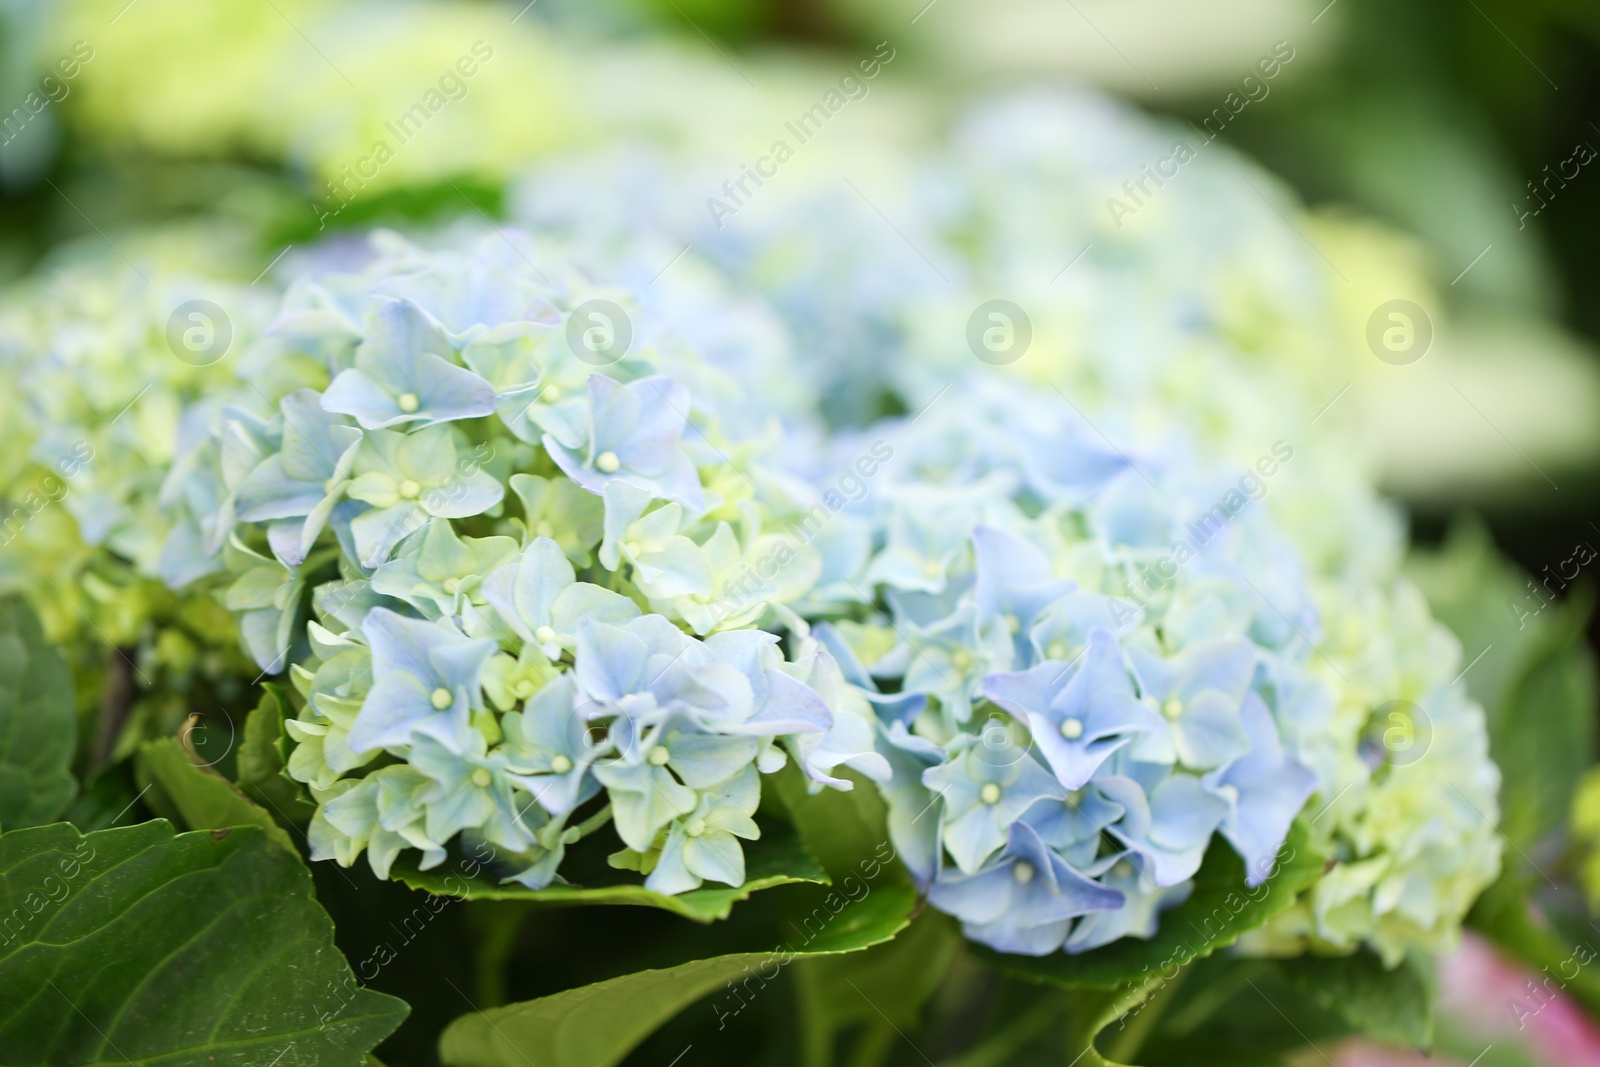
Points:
(410, 490)
(1057, 650)
(1023, 872)
(1072, 729)
(441, 698)
(607, 462)
(961, 659)
(544, 635)
(544, 529)
(1172, 708)
(990, 793)
(481, 777)
(551, 394)
(408, 402)
(659, 755)
(452, 585)
(1122, 868)
(561, 765)
(933, 568)
(632, 548)
(523, 689)
(695, 827)
(1230, 793)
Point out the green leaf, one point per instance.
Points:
(1217, 913)
(202, 798)
(37, 722)
(777, 858)
(597, 1025)
(1526, 659)
(108, 798)
(1234, 1012)
(1091, 1011)
(1388, 1004)
(842, 828)
(1543, 738)
(260, 769)
(195, 950)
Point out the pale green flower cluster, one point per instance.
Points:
(101, 353)
(1411, 826)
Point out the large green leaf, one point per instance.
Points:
(1389, 1004)
(1091, 1011)
(202, 798)
(37, 722)
(261, 761)
(1217, 913)
(194, 950)
(596, 1025)
(777, 858)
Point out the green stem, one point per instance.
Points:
(999, 1047)
(594, 822)
(816, 1031)
(1133, 1035)
(498, 923)
(874, 1046)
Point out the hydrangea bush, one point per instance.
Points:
(628, 548)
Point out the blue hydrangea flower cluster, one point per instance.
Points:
(1206, 310)
(490, 517)
(1078, 684)
(556, 544)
